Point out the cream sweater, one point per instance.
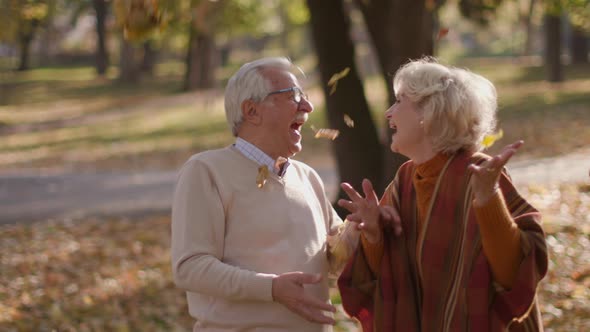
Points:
(230, 238)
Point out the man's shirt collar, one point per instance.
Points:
(254, 153)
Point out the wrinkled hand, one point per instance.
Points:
(367, 212)
(485, 177)
(288, 290)
(389, 215)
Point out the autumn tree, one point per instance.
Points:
(102, 57)
(358, 150)
(20, 22)
(552, 25)
(399, 30)
(579, 14)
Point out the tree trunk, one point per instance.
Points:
(200, 62)
(528, 25)
(25, 46)
(128, 68)
(358, 151)
(399, 33)
(553, 48)
(102, 58)
(579, 46)
(149, 59)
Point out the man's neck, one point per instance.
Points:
(260, 144)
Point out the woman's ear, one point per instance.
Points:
(250, 112)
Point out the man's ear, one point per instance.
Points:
(250, 112)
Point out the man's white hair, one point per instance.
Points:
(249, 83)
(458, 107)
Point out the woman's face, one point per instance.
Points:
(408, 130)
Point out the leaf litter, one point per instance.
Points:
(114, 273)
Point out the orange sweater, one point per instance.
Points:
(500, 234)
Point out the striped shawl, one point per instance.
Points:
(440, 280)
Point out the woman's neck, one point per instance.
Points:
(423, 156)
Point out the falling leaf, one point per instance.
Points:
(349, 121)
(327, 133)
(442, 32)
(262, 176)
(333, 82)
(490, 139)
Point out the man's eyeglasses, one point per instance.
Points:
(297, 93)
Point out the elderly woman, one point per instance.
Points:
(451, 245)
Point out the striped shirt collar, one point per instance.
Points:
(254, 153)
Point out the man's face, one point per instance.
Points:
(282, 116)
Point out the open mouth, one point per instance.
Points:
(393, 128)
(298, 123)
(297, 126)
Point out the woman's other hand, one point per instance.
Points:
(367, 213)
(484, 182)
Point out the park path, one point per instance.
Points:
(29, 196)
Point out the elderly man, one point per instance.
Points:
(249, 225)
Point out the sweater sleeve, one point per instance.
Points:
(342, 243)
(373, 253)
(501, 240)
(198, 232)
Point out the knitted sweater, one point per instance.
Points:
(230, 238)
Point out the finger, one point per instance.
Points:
(315, 316)
(350, 206)
(509, 150)
(369, 191)
(307, 278)
(354, 218)
(313, 302)
(507, 154)
(397, 229)
(391, 212)
(349, 190)
(486, 168)
(516, 145)
(393, 218)
(385, 215)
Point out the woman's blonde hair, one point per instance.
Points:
(458, 107)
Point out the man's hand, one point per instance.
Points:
(287, 289)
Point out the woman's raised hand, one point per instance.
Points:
(485, 176)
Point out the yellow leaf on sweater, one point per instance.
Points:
(262, 176)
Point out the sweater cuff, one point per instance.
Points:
(373, 253)
(494, 218)
(259, 287)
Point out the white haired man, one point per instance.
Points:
(249, 225)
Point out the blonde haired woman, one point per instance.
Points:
(451, 246)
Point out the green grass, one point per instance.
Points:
(65, 117)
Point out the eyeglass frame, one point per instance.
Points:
(297, 93)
